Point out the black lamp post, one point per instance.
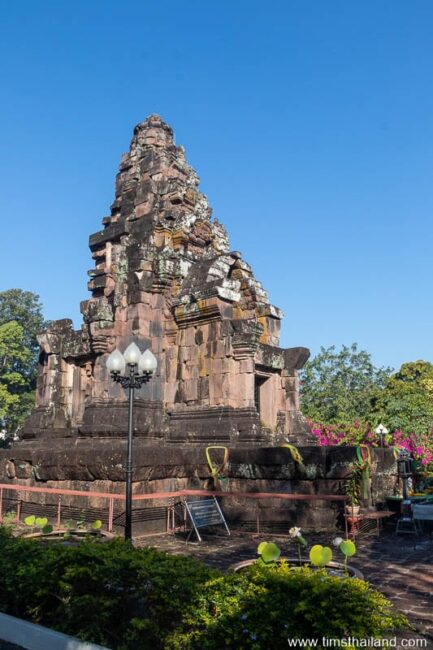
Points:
(404, 470)
(131, 370)
(381, 431)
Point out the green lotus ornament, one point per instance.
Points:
(348, 548)
(269, 552)
(320, 555)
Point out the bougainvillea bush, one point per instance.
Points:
(419, 445)
(353, 433)
(357, 433)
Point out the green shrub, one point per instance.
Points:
(139, 599)
(263, 607)
(107, 593)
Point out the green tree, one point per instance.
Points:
(406, 403)
(13, 356)
(20, 321)
(341, 386)
(25, 308)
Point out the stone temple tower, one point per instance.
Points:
(165, 277)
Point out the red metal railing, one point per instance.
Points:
(112, 497)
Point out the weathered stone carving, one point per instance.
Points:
(164, 276)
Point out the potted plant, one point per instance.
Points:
(72, 533)
(353, 491)
(320, 557)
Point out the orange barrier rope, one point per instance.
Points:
(179, 493)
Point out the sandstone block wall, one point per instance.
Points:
(164, 277)
(99, 466)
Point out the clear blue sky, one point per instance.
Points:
(310, 123)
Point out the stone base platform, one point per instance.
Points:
(98, 465)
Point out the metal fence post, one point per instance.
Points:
(110, 514)
(59, 510)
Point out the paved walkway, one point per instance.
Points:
(400, 567)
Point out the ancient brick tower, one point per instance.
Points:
(164, 277)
